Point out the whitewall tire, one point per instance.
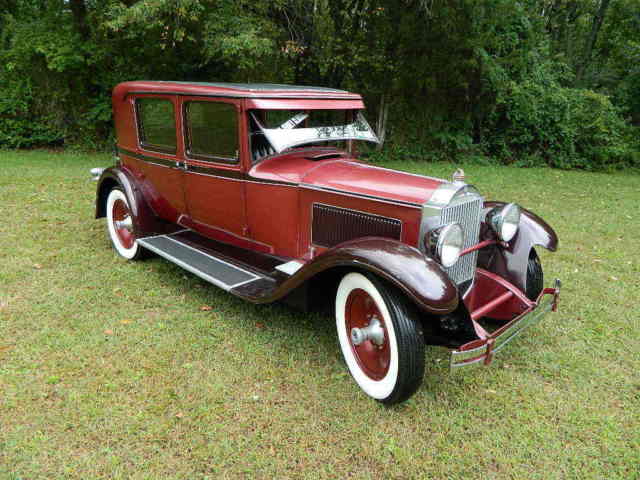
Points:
(120, 225)
(380, 337)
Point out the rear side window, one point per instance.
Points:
(212, 131)
(156, 124)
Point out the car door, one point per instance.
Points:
(213, 182)
(156, 161)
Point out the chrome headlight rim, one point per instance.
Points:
(505, 221)
(445, 243)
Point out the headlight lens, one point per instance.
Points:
(445, 243)
(505, 221)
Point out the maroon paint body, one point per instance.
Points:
(234, 203)
(268, 208)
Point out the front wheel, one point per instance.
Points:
(380, 337)
(535, 277)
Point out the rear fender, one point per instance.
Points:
(145, 222)
(511, 262)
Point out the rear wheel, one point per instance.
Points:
(120, 226)
(535, 277)
(380, 337)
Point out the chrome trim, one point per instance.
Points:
(96, 173)
(435, 239)
(495, 218)
(435, 214)
(458, 177)
(445, 195)
(126, 223)
(218, 259)
(464, 358)
(373, 332)
(194, 270)
(469, 215)
(290, 267)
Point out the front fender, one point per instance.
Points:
(145, 221)
(511, 262)
(419, 277)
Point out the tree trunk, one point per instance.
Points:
(593, 38)
(79, 12)
(381, 128)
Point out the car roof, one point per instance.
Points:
(235, 90)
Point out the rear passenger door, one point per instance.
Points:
(156, 161)
(214, 187)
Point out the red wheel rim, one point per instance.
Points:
(360, 310)
(119, 213)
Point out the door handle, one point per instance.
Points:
(181, 165)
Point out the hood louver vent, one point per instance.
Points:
(333, 225)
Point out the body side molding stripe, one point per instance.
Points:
(226, 173)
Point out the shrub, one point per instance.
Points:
(561, 127)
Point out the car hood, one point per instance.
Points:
(349, 176)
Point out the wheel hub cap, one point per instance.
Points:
(367, 334)
(373, 332)
(123, 224)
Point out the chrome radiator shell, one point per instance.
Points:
(461, 203)
(468, 215)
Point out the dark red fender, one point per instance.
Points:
(145, 222)
(419, 277)
(511, 262)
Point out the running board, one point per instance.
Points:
(205, 265)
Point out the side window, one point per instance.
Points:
(156, 124)
(212, 131)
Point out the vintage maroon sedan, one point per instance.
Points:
(259, 190)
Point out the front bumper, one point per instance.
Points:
(483, 351)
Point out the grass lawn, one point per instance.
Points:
(111, 369)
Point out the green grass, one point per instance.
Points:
(111, 369)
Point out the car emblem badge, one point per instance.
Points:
(458, 176)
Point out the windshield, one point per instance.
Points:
(285, 129)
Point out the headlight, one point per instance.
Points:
(505, 221)
(445, 243)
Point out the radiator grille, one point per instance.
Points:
(332, 225)
(467, 214)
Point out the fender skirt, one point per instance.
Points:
(419, 277)
(145, 222)
(511, 262)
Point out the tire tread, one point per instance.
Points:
(410, 338)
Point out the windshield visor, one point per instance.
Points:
(290, 128)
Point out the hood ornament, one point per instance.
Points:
(458, 176)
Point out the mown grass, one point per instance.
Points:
(111, 369)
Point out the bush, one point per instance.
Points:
(547, 124)
(20, 127)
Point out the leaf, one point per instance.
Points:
(206, 308)
(259, 325)
(126, 321)
(37, 266)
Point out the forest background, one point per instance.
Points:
(530, 83)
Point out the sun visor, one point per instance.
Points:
(302, 104)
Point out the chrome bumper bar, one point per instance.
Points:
(475, 354)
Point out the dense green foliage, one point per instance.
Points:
(553, 82)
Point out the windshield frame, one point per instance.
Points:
(281, 137)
